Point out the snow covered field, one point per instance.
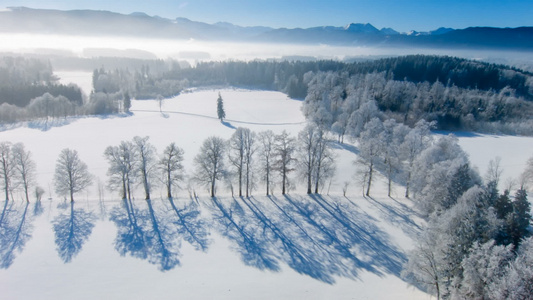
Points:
(293, 247)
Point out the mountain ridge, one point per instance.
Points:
(139, 24)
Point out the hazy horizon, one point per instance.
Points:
(402, 16)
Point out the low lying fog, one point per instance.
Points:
(193, 50)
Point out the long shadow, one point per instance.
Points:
(146, 234)
(245, 235)
(399, 216)
(72, 229)
(341, 246)
(190, 226)
(373, 244)
(299, 252)
(163, 246)
(130, 232)
(15, 231)
(228, 124)
(344, 146)
(38, 208)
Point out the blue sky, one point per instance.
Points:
(402, 15)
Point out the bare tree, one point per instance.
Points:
(266, 156)
(370, 150)
(210, 162)
(241, 151)
(7, 167)
(122, 167)
(236, 153)
(307, 154)
(146, 161)
(171, 167)
(391, 138)
(249, 151)
(71, 174)
(284, 149)
(526, 178)
(494, 171)
(24, 167)
(325, 160)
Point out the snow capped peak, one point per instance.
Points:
(361, 28)
(388, 31)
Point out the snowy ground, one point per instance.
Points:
(292, 247)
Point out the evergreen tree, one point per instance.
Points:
(520, 218)
(127, 102)
(220, 108)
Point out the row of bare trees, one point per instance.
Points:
(243, 162)
(265, 155)
(17, 170)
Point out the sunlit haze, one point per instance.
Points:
(403, 16)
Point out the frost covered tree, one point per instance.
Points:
(284, 158)
(424, 267)
(71, 175)
(122, 167)
(359, 118)
(414, 143)
(519, 220)
(171, 167)
(146, 162)
(220, 108)
(484, 264)
(441, 173)
(370, 149)
(266, 156)
(447, 239)
(210, 163)
(391, 138)
(24, 168)
(517, 281)
(126, 102)
(494, 171)
(7, 168)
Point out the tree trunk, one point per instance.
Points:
(213, 185)
(283, 178)
(407, 184)
(370, 171)
(309, 186)
(267, 182)
(169, 184)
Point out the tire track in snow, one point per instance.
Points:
(215, 118)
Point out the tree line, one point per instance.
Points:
(30, 91)
(338, 98)
(457, 93)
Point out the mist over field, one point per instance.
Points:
(194, 51)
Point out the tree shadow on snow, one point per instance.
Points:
(322, 238)
(398, 214)
(228, 124)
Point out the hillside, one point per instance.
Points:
(105, 23)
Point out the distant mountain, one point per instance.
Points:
(105, 23)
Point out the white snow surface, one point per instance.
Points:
(99, 271)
